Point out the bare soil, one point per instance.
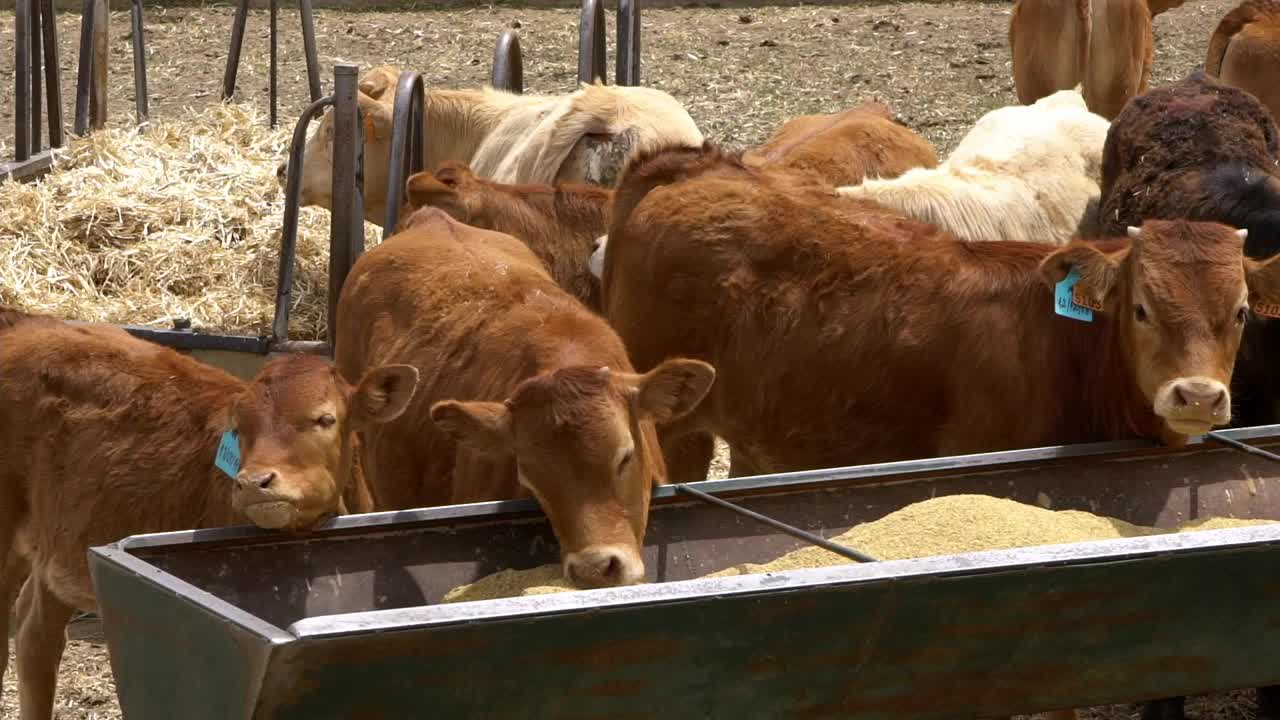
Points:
(740, 73)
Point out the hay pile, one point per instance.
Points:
(940, 526)
(180, 222)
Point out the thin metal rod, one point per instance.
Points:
(37, 69)
(85, 70)
(508, 64)
(22, 81)
(141, 101)
(407, 155)
(591, 42)
(627, 69)
(791, 530)
(1243, 447)
(289, 231)
(275, 62)
(233, 51)
(346, 217)
(52, 73)
(309, 48)
(101, 65)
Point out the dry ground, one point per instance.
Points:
(939, 65)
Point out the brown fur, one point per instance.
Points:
(842, 335)
(513, 375)
(559, 224)
(1105, 46)
(104, 435)
(1244, 51)
(845, 147)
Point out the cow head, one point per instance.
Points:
(376, 98)
(585, 447)
(295, 422)
(451, 187)
(1179, 296)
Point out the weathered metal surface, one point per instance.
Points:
(628, 62)
(84, 65)
(52, 72)
(140, 97)
(508, 63)
(346, 224)
(22, 105)
(591, 40)
(98, 71)
(408, 144)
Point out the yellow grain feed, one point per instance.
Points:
(941, 526)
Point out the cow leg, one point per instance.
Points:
(11, 577)
(688, 456)
(1166, 709)
(1269, 702)
(42, 635)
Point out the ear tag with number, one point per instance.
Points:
(228, 459)
(1064, 301)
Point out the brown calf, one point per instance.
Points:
(846, 147)
(524, 392)
(841, 335)
(559, 224)
(1244, 51)
(104, 435)
(1106, 46)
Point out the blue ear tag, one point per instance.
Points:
(228, 460)
(1064, 303)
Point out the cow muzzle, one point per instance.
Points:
(257, 498)
(604, 566)
(1193, 405)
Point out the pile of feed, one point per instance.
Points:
(940, 526)
(181, 221)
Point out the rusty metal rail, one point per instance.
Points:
(237, 43)
(508, 64)
(36, 69)
(628, 62)
(591, 42)
(408, 145)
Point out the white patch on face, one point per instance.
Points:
(596, 263)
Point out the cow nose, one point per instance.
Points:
(258, 480)
(1200, 394)
(604, 567)
(595, 245)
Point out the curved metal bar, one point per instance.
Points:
(591, 42)
(627, 69)
(508, 64)
(289, 232)
(406, 134)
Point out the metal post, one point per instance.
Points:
(81, 126)
(508, 64)
(52, 73)
(309, 48)
(141, 101)
(628, 63)
(275, 62)
(37, 68)
(233, 52)
(408, 154)
(101, 62)
(22, 80)
(346, 230)
(591, 42)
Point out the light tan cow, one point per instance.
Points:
(1244, 51)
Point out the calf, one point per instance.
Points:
(524, 392)
(846, 147)
(1244, 51)
(559, 223)
(842, 335)
(1106, 46)
(1022, 173)
(104, 435)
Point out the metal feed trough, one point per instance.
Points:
(345, 622)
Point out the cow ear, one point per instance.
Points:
(424, 189)
(379, 80)
(481, 426)
(376, 117)
(383, 394)
(1099, 272)
(1263, 278)
(673, 389)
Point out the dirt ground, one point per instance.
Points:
(938, 65)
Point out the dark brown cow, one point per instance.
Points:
(559, 224)
(524, 392)
(846, 147)
(104, 436)
(842, 335)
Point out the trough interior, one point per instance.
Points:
(283, 581)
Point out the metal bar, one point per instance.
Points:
(34, 166)
(37, 68)
(187, 340)
(289, 231)
(406, 144)
(627, 69)
(309, 48)
(1244, 447)
(22, 88)
(233, 52)
(791, 530)
(52, 73)
(275, 62)
(141, 101)
(591, 42)
(311, 347)
(508, 64)
(101, 63)
(346, 216)
(81, 126)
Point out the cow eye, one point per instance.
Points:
(1242, 314)
(1140, 313)
(326, 420)
(622, 463)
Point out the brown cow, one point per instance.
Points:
(846, 147)
(1244, 51)
(559, 223)
(1104, 46)
(524, 392)
(104, 435)
(842, 335)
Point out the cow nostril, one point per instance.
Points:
(264, 480)
(1181, 398)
